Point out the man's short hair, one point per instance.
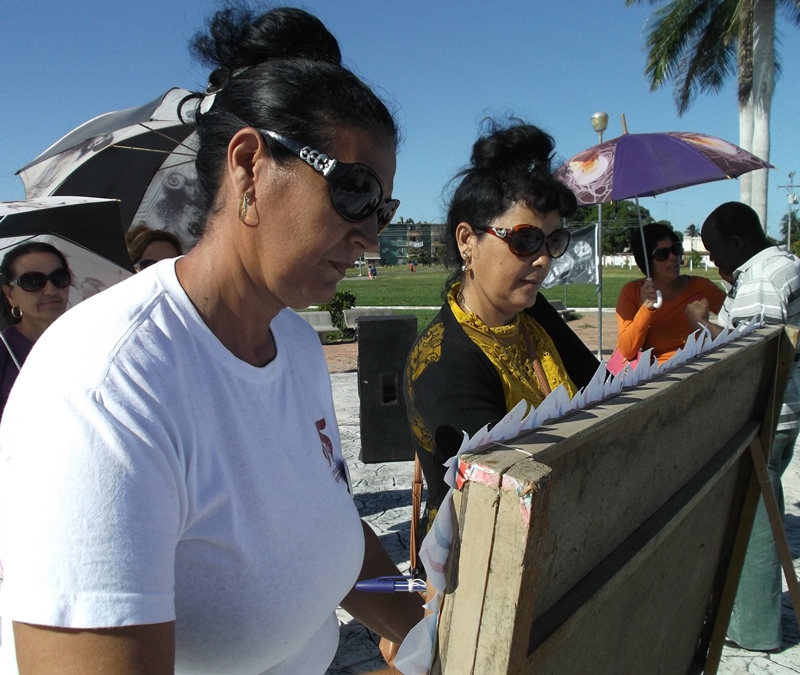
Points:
(735, 218)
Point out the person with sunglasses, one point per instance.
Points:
(664, 330)
(496, 340)
(36, 281)
(185, 506)
(147, 246)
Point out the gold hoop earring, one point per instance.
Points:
(244, 202)
(16, 312)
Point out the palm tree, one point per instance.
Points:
(692, 231)
(698, 44)
(790, 217)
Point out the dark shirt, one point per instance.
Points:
(450, 386)
(21, 346)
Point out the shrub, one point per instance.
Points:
(341, 301)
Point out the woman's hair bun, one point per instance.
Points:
(518, 145)
(237, 38)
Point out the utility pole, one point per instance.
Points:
(792, 202)
(600, 124)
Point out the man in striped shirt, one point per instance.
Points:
(765, 283)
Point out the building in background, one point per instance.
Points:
(402, 242)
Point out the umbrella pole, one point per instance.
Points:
(10, 351)
(660, 299)
(599, 235)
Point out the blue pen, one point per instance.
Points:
(392, 585)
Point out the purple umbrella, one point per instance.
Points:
(644, 165)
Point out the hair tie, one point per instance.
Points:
(217, 81)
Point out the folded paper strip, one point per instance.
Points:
(416, 653)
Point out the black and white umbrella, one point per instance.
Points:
(143, 157)
(87, 231)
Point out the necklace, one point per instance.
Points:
(531, 356)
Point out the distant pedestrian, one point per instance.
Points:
(373, 271)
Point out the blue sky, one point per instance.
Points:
(444, 66)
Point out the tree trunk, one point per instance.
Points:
(763, 85)
(746, 141)
(744, 64)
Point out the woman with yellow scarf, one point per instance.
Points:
(496, 341)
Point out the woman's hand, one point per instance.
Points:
(390, 615)
(697, 313)
(648, 294)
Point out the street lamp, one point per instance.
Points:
(600, 124)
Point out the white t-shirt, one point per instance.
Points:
(147, 474)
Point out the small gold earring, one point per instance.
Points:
(16, 312)
(244, 202)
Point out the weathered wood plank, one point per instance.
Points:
(605, 487)
(467, 590)
(612, 575)
(522, 518)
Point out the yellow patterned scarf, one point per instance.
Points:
(506, 347)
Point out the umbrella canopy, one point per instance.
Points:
(143, 157)
(87, 231)
(644, 165)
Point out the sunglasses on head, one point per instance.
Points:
(662, 254)
(356, 190)
(525, 240)
(36, 281)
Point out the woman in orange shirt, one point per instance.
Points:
(665, 330)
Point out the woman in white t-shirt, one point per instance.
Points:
(172, 492)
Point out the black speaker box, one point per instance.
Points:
(383, 345)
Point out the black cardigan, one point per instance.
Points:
(456, 387)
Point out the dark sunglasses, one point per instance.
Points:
(356, 190)
(662, 254)
(36, 281)
(525, 240)
(144, 264)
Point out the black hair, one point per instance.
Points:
(8, 273)
(653, 233)
(510, 164)
(735, 218)
(279, 71)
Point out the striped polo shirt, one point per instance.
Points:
(768, 286)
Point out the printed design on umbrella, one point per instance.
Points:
(728, 157)
(143, 157)
(55, 172)
(591, 173)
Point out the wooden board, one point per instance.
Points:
(593, 544)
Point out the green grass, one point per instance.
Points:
(614, 278)
(398, 286)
